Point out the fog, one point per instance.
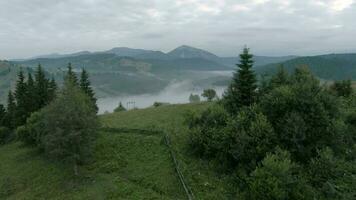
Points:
(174, 93)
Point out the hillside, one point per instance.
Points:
(129, 163)
(329, 67)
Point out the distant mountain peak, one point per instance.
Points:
(186, 51)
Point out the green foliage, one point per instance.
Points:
(70, 126)
(52, 89)
(252, 136)
(31, 96)
(276, 179)
(120, 108)
(71, 76)
(303, 115)
(207, 132)
(41, 88)
(84, 84)
(209, 94)
(315, 128)
(2, 115)
(342, 88)
(242, 90)
(33, 131)
(194, 98)
(21, 97)
(10, 117)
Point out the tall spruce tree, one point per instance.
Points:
(71, 76)
(10, 117)
(21, 99)
(30, 94)
(86, 88)
(52, 89)
(242, 90)
(41, 88)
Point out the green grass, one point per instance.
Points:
(126, 164)
(201, 176)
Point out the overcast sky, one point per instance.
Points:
(268, 27)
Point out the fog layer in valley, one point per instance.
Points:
(175, 93)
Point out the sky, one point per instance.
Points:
(269, 27)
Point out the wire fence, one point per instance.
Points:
(167, 141)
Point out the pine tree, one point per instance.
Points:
(2, 115)
(86, 88)
(10, 111)
(280, 78)
(71, 76)
(41, 88)
(52, 89)
(30, 94)
(242, 90)
(21, 99)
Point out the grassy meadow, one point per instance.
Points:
(128, 164)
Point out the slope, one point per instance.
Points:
(330, 67)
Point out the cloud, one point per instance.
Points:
(278, 27)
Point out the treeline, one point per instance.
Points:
(61, 122)
(288, 137)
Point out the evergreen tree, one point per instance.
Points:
(242, 90)
(21, 100)
(10, 111)
(86, 88)
(52, 88)
(120, 108)
(41, 88)
(71, 76)
(2, 115)
(30, 94)
(280, 78)
(70, 125)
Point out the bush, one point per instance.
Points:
(207, 131)
(276, 179)
(251, 137)
(33, 131)
(304, 116)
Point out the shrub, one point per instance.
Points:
(251, 137)
(207, 131)
(276, 179)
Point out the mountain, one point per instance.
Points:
(56, 55)
(187, 52)
(329, 67)
(123, 70)
(258, 60)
